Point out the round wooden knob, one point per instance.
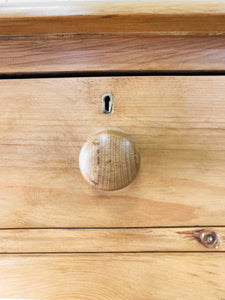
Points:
(109, 160)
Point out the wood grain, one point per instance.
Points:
(113, 276)
(109, 160)
(21, 8)
(110, 240)
(177, 124)
(174, 17)
(110, 52)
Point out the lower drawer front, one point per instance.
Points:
(143, 276)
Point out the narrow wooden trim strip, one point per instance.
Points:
(21, 8)
(50, 17)
(111, 240)
(110, 24)
(112, 52)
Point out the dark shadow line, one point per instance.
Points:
(108, 228)
(110, 73)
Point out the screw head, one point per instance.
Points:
(209, 238)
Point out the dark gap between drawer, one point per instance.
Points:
(96, 228)
(109, 252)
(111, 73)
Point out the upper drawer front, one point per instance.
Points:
(177, 123)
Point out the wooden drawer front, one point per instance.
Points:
(113, 276)
(178, 124)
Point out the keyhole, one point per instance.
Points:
(107, 103)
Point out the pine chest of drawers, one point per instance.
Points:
(112, 150)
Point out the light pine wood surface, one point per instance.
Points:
(155, 276)
(29, 8)
(177, 124)
(114, 52)
(61, 238)
(112, 240)
(174, 17)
